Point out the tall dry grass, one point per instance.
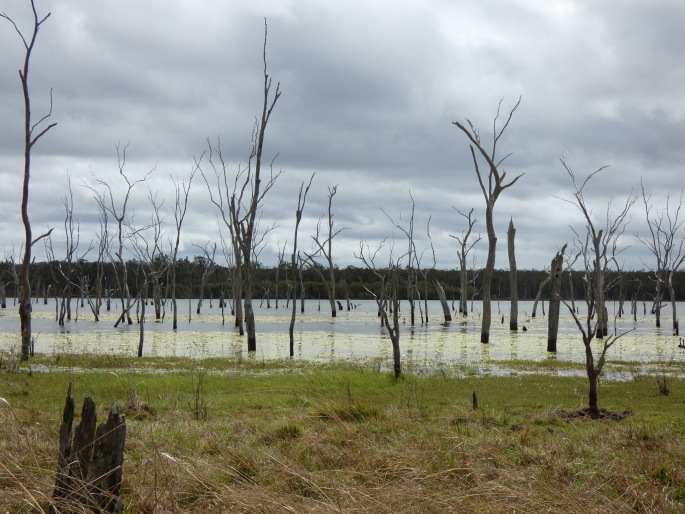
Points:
(356, 445)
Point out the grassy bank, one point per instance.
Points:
(291, 437)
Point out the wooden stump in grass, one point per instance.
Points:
(89, 467)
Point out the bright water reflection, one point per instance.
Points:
(353, 336)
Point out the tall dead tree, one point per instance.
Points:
(239, 208)
(424, 271)
(180, 207)
(411, 279)
(64, 271)
(496, 183)
(465, 247)
(107, 203)
(147, 247)
(32, 133)
(599, 252)
(279, 265)
(388, 299)
(604, 242)
(666, 240)
(207, 266)
(301, 201)
(513, 282)
(323, 244)
(103, 243)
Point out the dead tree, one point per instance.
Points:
(388, 297)
(106, 202)
(64, 272)
(147, 247)
(239, 208)
(301, 201)
(324, 247)
(513, 283)
(279, 265)
(412, 287)
(495, 185)
(569, 262)
(541, 287)
(604, 242)
(425, 271)
(182, 191)
(666, 243)
(208, 266)
(465, 247)
(556, 269)
(599, 252)
(443, 301)
(32, 133)
(300, 268)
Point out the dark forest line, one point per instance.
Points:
(49, 277)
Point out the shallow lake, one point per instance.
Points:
(355, 335)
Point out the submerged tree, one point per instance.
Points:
(666, 242)
(496, 183)
(411, 277)
(324, 247)
(465, 247)
(388, 298)
(180, 207)
(239, 206)
(32, 133)
(107, 203)
(301, 201)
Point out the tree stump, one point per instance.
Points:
(555, 300)
(89, 467)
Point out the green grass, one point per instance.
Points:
(291, 436)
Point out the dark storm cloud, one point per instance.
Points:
(369, 94)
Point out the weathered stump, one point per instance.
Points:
(513, 282)
(89, 467)
(555, 300)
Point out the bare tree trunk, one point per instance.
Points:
(495, 186)
(487, 275)
(555, 300)
(249, 318)
(301, 201)
(141, 334)
(514, 295)
(443, 301)
(302, 291)
(29, 141)
(542, 285)
(599, 288)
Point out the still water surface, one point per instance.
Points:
(354, 335)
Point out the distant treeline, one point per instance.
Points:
(350, 280)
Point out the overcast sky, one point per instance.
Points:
(369, 93)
